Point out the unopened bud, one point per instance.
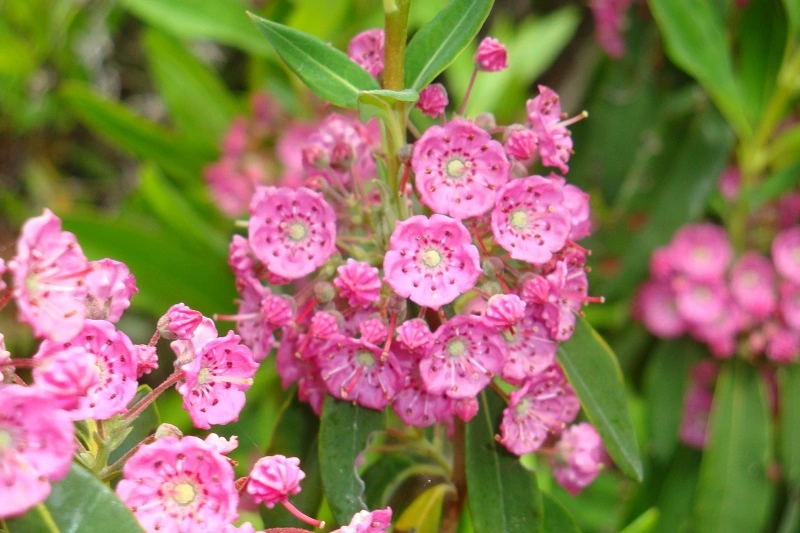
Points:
(315, 156)
(486, 121)
(167, 430)
(342, 157)
(324, 292)
(405, 152)
(397, 305)
(492, 287)
(492, 266)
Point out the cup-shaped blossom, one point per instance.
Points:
(580, 456)
(543, 405)
(358, 282)
(701, 251)
(115, 361)
(366, 50)
(36, 447)
(274, 478)
(179, 485)
(752, 284)
(417, 407)
(49, 273)
(530, 219)
(521, 143)
(431, 260)
(356, 370)
(339, 150)
(432, 100)
(458, 169)
(111, 286)
(786, 253)
(491, 56)
(466, 353)
(291, 231)
(216, 380)
(68, 375)
(530, 350)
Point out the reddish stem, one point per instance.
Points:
(137, 409)
(300, 515)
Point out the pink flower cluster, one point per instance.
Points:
(749, 304)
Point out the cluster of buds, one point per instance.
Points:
(466, 276)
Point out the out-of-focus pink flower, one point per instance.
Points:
(701, 252)
(232, 184)
(729, 182)
(786, 253)
(609, 19)
(656, 307)
(580, 456)
(274, 478)
(491, 56)
(752, 284)
(366, 50)
(697, 405)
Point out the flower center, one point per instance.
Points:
(701, 254)
(184, 493)
(365, 359)
(519, 219)
(203, 376)
(456, 348)
(431, 258)
(5, 439)
(296, 231)
(522, 407)
(456, 168)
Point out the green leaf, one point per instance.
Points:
(295, 435)
(694, 37)
(775, 185)
(503, 496)
(438, 43)
(425, 512)
(792, 8)
(645, 523)
(144, 425)
(196, 98)
(384, 476)
(593, 372)
(556, 517)
(790, 423)
(132, 134)
(328, 72)
(677, 496)
(344, 431)
(80, 502)
(223, 21)
(734, 493)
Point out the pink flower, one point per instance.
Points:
(275, 478)
(752, 284)
(256, 333)
(700, 302)
(179, 322)
(37, 446)
(358, 282)
(241, 259)
(701, 251)
(458, 169)
(417, 407)
(431, 260)
(221, 444)
(373, 330)
(216, 381)
(68, 375)
(464, 356)
(543, 405)
(729, 182)
(179, 485)
(530, 350)
(609, 25)
(356, 370)
(340, 148)
(786, 254)
(553, 138)
(790, 304)
(697, 405)
(530, 220)
(231, 184)
(296, 361)
(432, 100)
(291, 231)
(521, 144)
(111, 286)
(186, 351)
(146, 359)
(491, 56)
(368, 522)
(49, 273)
(504, 310)
(414, 334)
(579, 457)
(114, 360)
(366, 50)
(655, 306)
(783, 345)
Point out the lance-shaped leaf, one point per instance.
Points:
(556, 516)
(344, 431)
(503, 496)
(790, 423)
(438, 43)
(593, 372)
(734, 493)
(80, 502)
(328, 72)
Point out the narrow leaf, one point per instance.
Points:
(694, 36)
(344, 432)
(790, 423)
(425, 512)
(80, 502)
(438, 43)
(734, 493)
(328, 72)
(502, 495)
(592, 370)
(556, 517)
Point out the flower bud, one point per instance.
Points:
(324, 292)
(168, 430)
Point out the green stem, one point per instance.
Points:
(451, 514)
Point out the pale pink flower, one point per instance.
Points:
(752, 285)
(68, 375)
(656, 307)
(700, 302)
(111, 286)
(786, 253)
(369, 522)
(464, 356)
(292, 231)
(179, 485)
(432, 100)
(783, 345)
(530, 350)
(186, 351)
(358, 282)
(530, 220)
(216, 380)
(701, 251)
(491, 56)
(504, 310)
(544, 405)
(431, 260)
(358, 371)
(554, 140)
(580, 456)
(146, 359)
(114, 361)
(274, 478)
(366, 50)
(36, 447)
(458, 169)
(521, 143)
(256, 333)
(221, 444)
(232, 184)
(340, 149)
(179, 322)
(49, 273)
